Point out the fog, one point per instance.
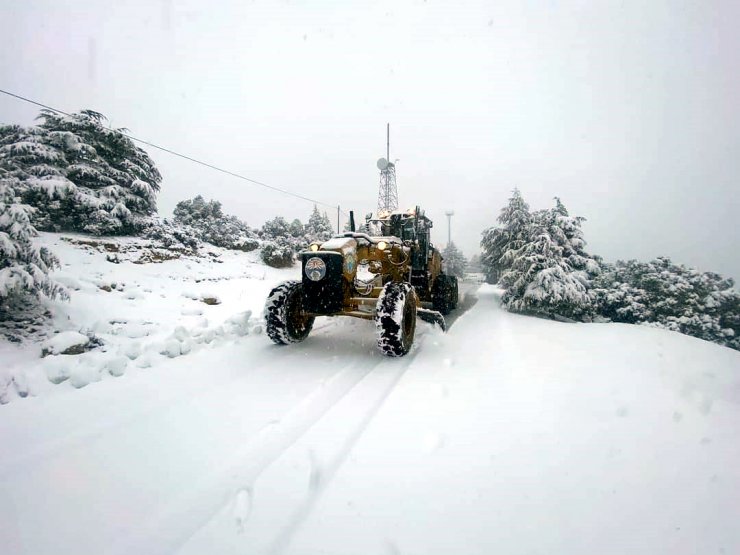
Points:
(625, 110)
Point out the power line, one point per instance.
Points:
(169, 151)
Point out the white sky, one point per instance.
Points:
(626, 110)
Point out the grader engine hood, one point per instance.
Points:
(323, 272)
(347, 247)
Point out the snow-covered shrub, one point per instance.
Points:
(278, 253)
(24, 267)
(210, 224)
(79, 174)
(296, 229)
(168, 235)
(671, 296)
(454, 260)
(280, 232)
(283, 240)
(276, 228)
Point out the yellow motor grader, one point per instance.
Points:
(388, 271)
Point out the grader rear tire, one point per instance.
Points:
(442, 295)
(454, 293)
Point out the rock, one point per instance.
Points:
(57, 372)
(210, 300)
(117, 366)
(132, 350)
(66, 343)
(170, 348)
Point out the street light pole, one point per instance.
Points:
(449, 215)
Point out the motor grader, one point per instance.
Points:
(387, 271)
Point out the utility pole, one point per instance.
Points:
(449, 215)
(338, 219)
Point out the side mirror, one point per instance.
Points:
(368, 216)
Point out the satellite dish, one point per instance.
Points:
(382, 163)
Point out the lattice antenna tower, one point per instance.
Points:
(388, 191)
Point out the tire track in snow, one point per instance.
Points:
(150, 408)
(469, 299)
(299, 515)
(190, 511)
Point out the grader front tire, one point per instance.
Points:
(395, 319)
(285, 321)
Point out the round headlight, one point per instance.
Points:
(315, 269)
(382, 245)
(314, 247)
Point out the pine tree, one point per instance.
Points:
(79, 174)
(511, 234)
(550, 273)
(454, 260)
(319, 226)
(474, 264)
(24, 267)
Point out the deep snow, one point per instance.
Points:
(508, 434)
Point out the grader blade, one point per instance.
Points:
(432, 317)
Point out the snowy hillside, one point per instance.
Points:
(194, 434)
(142, 304)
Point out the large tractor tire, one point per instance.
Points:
(444, 294)
(395, 319)
(284, 317)
(454, 292)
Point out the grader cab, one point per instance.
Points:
(388, 271)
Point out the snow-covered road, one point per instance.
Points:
(508, 434)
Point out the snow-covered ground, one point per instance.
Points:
(508, 434)
(142, 313)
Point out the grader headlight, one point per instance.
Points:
(314, 247)
(382, 245)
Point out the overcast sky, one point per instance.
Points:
(628, 111)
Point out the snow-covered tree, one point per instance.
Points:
(24, 267)
(454, 260)
(511, 233)
(549, 272)
(79, 174)
(475, 264)
(282, 238)
(296, 229)
(319, 227)
(210, 224)
(276, 228)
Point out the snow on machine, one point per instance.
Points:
(388, 272)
